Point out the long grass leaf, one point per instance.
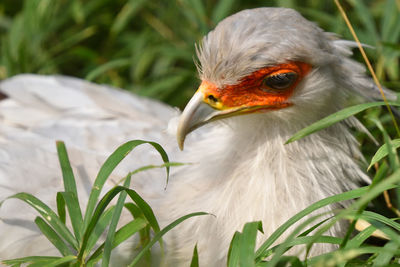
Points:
(53, 237)
(383, 152)
(324, 202)
(71, 194)
(386, 256)
(49, 216)
(100, 227)
(233, 252)
(390, 20)
(334, 118)
(195, 258)
(61, 207)
(147, 213)
(114, 64)
(68, 175)
(134, 210)
(222, 10)
(366, 194)
(128, 230)
(108, 197)
(366, 18)
(127, 12)
(149, 167)
(369, 215)
(359, 239)
(349, 213)
(74, 211)
(113, 225)
(59, 262)
(106, 169)
(30, 259)
(341, 256)
(248, 243)
(364, 55)
(158, 235)
(121, 235)
(281, 249)
(393, 158)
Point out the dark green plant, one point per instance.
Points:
(80, 247)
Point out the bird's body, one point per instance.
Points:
(242, 171)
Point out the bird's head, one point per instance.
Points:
(264, 60)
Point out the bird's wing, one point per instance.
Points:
(93, 121)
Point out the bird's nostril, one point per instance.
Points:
(212, 98)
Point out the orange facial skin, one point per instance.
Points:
(250, 92)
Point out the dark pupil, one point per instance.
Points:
(281, 80)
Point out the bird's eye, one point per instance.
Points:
(280, 81)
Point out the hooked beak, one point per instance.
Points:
(195, 114)
(198, 112)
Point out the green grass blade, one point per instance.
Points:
(304, 240)
(369, 215)
(383, 152)
(390, 21)
(149, 167)
(304, 233)
(366, 18)
(112, 161)
(291, 261)
(366, 194)
(309, 230)
(127, 12)
(114, 64)
(393, 159)
(128, 230)
(53, 237)
(108, 197)
(222, 10)
(98, 230)
(61, 207)
(386, 256)
(49, 216)
(158, 235)
(343, 255)
(324, 202)
(145, 208)
(72, 40)
(144, 233)
(281, 249)
(30, 259)
(71, 194)
(121, 235)
(248, 243)
(74, 211)
(334, 118)
(352, 211)
(195, 258)
(113, 225)
(60, 261)
(67, 173)
(134, 210)
(233, 252)
(359, 239)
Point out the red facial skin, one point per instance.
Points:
(251, 92)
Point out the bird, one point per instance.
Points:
(265, 74)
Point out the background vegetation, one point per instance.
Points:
(147, 47)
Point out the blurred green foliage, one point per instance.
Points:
(148, 46)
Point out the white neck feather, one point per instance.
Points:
(244, 172)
